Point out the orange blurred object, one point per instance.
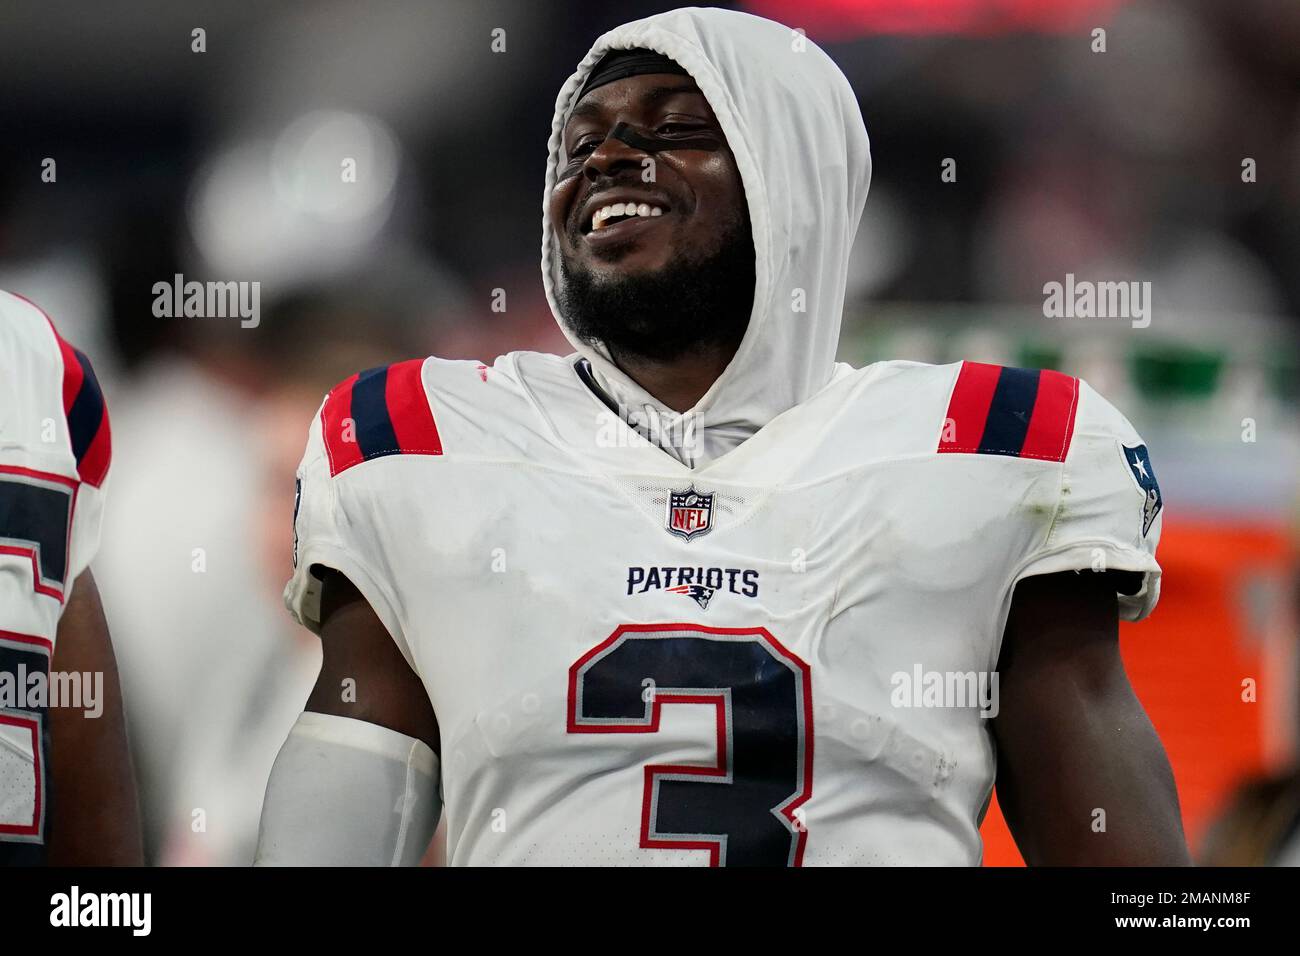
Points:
(1225, 617)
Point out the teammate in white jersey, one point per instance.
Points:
(697, 594)
(67, 793)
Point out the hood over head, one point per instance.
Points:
(794, 126)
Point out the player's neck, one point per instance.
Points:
(681, 383)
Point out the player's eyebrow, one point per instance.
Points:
(590, 108)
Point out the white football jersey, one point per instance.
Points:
(635, 662)
(55, 448)
(761, 639)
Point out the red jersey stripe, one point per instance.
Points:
(408, 409)
(968, 409)
(89, 429)
(93, 467)
(73, 373)
(338, 429)
(1052, 423)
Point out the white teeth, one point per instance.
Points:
(604, 213)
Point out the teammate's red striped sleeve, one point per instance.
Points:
(73, 373)
(89, 431)
(93, 466)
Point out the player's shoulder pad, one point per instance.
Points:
(84, 409)
(1018, 412)
(381, 411)
(1106, 439)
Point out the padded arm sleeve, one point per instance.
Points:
(345, 792)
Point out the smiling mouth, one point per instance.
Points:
(614, 214)
(624, 234)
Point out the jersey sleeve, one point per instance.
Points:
(94, 459)
(1109, 513)
(89, 437)
(330, 531)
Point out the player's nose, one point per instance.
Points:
(611, 155)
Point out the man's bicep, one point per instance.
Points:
(89, 751)
(356, 782)
(1082, 776)
(363, 674)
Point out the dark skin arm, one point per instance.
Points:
(96, 813)
(356, 645)
(1072, 736)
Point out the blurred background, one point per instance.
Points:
(1173, 157)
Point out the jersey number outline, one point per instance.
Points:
(745, 810)
(27, 654)
(36, 509)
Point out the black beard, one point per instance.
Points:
(693, 305)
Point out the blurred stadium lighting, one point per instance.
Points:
(300, 206)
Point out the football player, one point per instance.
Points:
(697, 594)
(67, 792)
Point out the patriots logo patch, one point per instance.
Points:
(701, 594)
(1139, 465)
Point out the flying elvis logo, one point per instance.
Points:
(1139, 466)
(698, 584)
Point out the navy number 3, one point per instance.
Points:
(745, 809)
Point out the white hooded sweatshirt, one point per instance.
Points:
(793, 124)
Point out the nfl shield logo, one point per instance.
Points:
(690, 513)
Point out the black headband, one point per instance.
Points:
(620, 64)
